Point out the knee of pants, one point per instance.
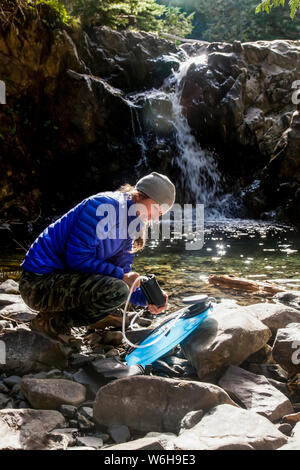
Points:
(123, 291)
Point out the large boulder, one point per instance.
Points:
(227, 337)
(146, 403)
(28, 351)
(274, 316)
(26, 429)
(256, 393)
(228, 428)
(286, 348)
(49, 394)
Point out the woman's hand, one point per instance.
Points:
(154, 309)
(129, 278)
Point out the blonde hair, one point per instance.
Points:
(140, 240)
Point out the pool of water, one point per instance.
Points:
(252, 249)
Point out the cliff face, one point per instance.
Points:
(68, 129)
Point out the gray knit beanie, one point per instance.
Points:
(158, 187)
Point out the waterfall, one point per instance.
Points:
(161, 110)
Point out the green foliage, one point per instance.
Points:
(51, 12)
(229, 20)
(267, 5)
(146, 15)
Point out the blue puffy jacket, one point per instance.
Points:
(76, 242)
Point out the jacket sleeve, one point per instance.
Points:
(81, 249)
(125, 261)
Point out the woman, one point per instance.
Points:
(77, 272)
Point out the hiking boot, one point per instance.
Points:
(47, 323)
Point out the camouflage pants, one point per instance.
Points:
(80, 298)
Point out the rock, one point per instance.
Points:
(286, 348)
(226, 427)
(27, 429)
(255, 393)
(285, 428)
(148, 403)
(50, 394)
(9, 287)
(88, 380)
(270, 371)
(12, 380)
(18, 311)
(89, 441)
(4, 399)
(145, 443)
(274, 316)
(290, 298)
(87, 412)
(292, 418)
(115, 338)
(28, 351)
(294, 441)
(84, 423)
(190, 420)
(227, 337)
(80, 448)
(263, 356)
(7, 299)
(69, 411)
(112, 353)
(119, 433)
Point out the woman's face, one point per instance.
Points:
(150, 210)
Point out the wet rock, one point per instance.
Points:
(286, 348)
(228, 337)
(274, 316)
(89, 441)
(87, 412)
(50, 394)
(27, 429)
(255, 393)
(158, 404)
(119, 433)
(28, 351)
(190, 420)
(294, 441)
(290, 298)
(9, 287)
(226, 427)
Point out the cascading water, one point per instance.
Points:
(161, 109)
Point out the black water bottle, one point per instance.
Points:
(152, 291)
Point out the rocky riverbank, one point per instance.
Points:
(233, 384)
